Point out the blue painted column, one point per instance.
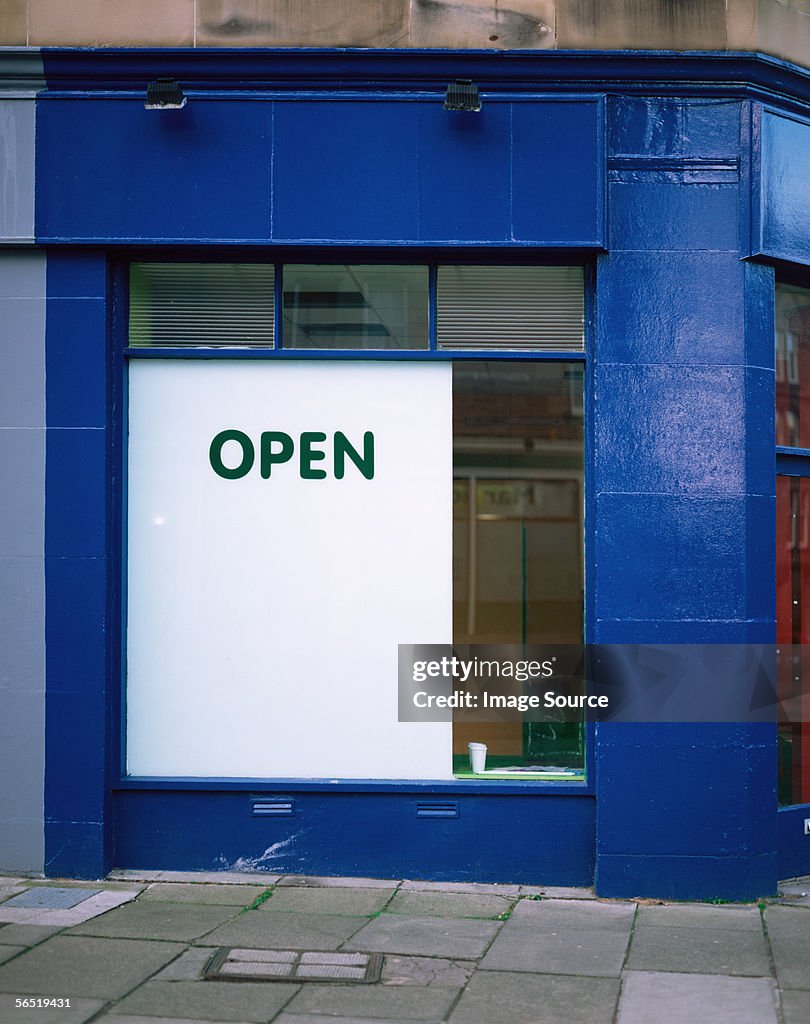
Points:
(685, 497)
(78, 549)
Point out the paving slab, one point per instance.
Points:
(501, 998)
(108, 885)
(129, 1018)
(795, 1007)
(286, 931)
(373, 1001)
(427, 971)
(130, 875)
(577, 951)
(157, 920)
(449, 904)
(698, 916)
(687, 998)
(789, 935)
(188, 966)
(426, 936)
(317, 1018)
(263, 878)
(589, 915)
(338, 882)
(84, 967)
(25, 934)
(83, 911)
(699, 951)
(558, 892)
(79, 1011)
(9, 952)
(215, 895)
(305, 900)
(6, 880)
(243, 1001)
(482, 888)
(7, 891)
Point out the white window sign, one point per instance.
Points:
(289, 524)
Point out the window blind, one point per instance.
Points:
(523, 308)
(201, 304)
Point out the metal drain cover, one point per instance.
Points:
(237, 964)
(49, 897)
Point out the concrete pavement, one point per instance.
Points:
(132, 949)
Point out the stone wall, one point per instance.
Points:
(779, 27)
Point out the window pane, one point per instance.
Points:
(792, 366)
(538, 308)
(518, 532)
(355, 307)
(201, 304)
(793, 628)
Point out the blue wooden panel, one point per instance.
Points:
(77, 826)
(76, 629)
(345, 171)
(464, 173)
(75, 849)
(109, 169)
(697, 832)
(76, 381)
(669, 215)
(745, 877)
(77, 274)
(663, 307)
(685, 435)
(557, 175)
(75, 492)
(783, 223)
(682, 819)
(527, 839)
(694, 557)
(672, 127)
(794, 845)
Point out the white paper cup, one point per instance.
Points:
(478, 756)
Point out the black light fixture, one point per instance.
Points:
(164, 94)
(462, 95)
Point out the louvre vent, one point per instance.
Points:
(523, 308)
(272, 807)
(439, 809)
(201, 304)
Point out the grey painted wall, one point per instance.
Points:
(22, 497)
(22, 571)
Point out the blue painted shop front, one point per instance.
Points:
(677, 183)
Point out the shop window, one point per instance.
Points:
(517, 533)
(290, 521)
(792, 354)
(792, 366)
(355, 307)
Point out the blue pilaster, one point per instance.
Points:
(77, 564)
(684, 490)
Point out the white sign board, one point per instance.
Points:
(277, 555)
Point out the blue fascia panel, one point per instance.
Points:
(781, 225)
(518, 839)
(108, 169)
(362, 171)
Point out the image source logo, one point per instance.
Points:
(276, 448)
